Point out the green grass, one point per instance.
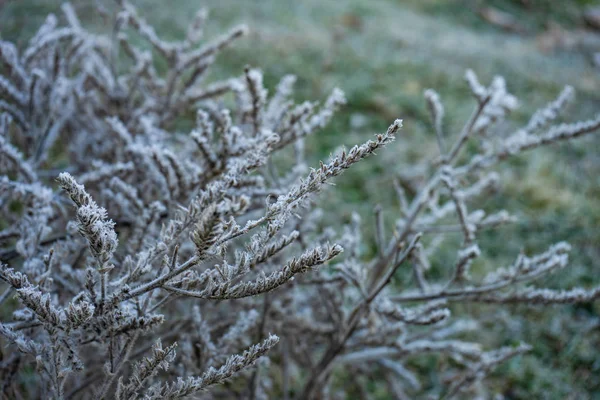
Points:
(533, 15)
(383, 54)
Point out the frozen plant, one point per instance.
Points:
(149, 263)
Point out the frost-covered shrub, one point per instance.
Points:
(151, 263)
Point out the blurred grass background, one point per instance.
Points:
(384, 54)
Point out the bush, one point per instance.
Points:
(203, 243)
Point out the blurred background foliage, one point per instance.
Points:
(384, 54)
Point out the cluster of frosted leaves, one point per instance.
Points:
(120, 233)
